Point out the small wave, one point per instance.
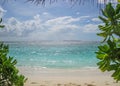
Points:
(33, 52)
(44, 67)
(68, 61)
(90, 68)
(52, 61)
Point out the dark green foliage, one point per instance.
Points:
(112, 21)
(1, 26)
(9, 74)
(109, 52)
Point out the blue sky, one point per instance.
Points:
(58, 21)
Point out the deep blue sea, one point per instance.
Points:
(54, 54)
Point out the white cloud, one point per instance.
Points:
(2, 11)
(45, 13)
(84, 17)
(90, 28)
(14, 25)
(62, 20)
(18, 27)
(37, 28)
(96, 20)
(57, 28)
(60, 28)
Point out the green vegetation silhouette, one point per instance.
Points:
(9, 74)
(109, 51)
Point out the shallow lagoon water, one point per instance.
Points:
(55, 54)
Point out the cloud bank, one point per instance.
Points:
(2, 11)
(46, 27)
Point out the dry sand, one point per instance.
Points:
(67, 77)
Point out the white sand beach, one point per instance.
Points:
(67, 77)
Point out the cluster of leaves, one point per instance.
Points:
(109, 52)
(9, 74)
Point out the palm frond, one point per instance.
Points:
(73, 1)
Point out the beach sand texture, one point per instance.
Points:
(67, 77)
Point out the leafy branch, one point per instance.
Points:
(109, 52)
(9, 74)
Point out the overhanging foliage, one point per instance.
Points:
(109, 52)
(9, 74)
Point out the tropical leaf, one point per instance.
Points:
(1, 20)
(103, 34)
(117, 30)
(117, 16)
(102, 56)
(112, 67)
(104, 65)
(111, 44)
(104, 13)
(110, 11)
(117, 8)
(2, 26)
(103, 19)
(104, 48)
(118, 0)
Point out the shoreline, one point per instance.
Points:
(67, 77)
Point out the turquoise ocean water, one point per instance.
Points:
(54, 54)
